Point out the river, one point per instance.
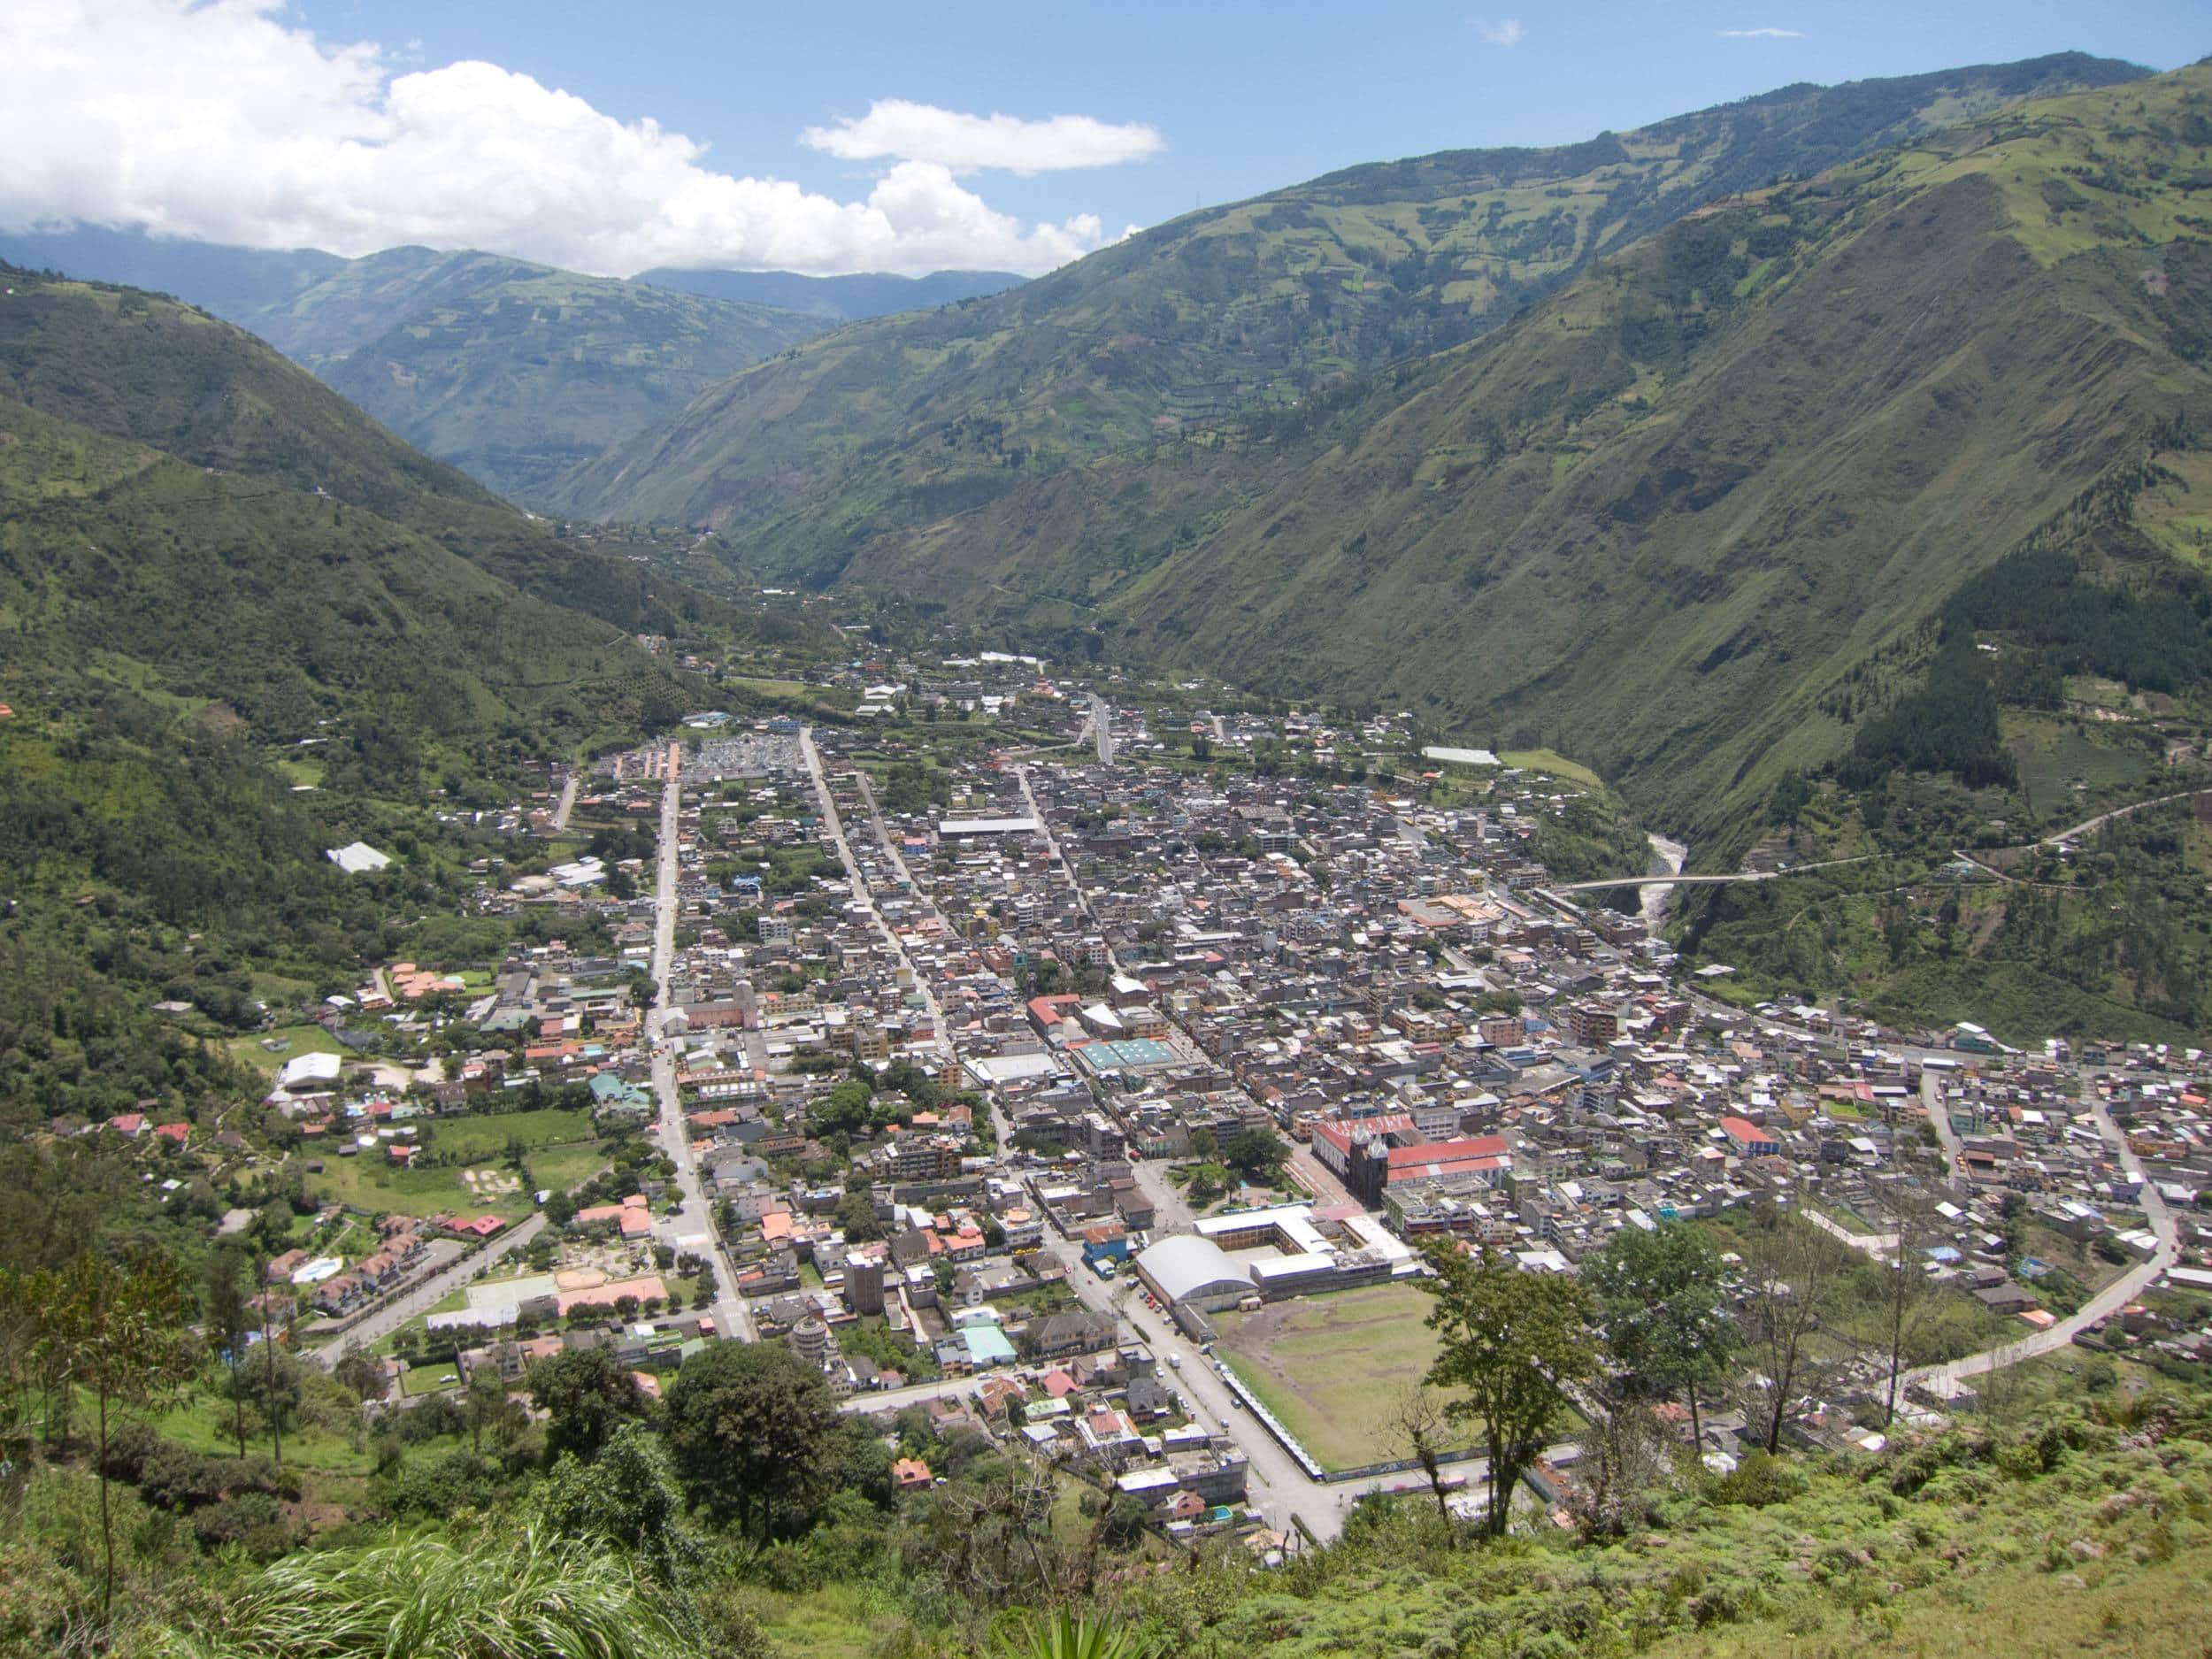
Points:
(1667, 858)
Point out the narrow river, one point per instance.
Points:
(1667, 858)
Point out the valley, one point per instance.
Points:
(1464, 911)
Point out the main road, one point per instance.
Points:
(692, 1227)
(862, 895)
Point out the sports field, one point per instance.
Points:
(1332, 1366)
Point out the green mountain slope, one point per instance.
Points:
(838, 298)
(1661, 517)
(514, 371)
(903, 421)
(189, 628)
(141, 367)
(521, 380)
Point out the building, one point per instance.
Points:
(1193, 1271)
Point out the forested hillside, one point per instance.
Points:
(513, 372)
(221, 585)
(1663, 518)
(906, 421)
(516, 373)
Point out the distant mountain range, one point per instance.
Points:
(1646, 444)
(515, 373)
(840, 298)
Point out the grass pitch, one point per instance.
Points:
(1332, 1366)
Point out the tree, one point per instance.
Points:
(1665, 1317)
(1417, 1425)
(361, 1372)
(629, 1497)
(855, 1215)
(1208, 1182)
(268, 1378)
(1258, 1155)
(489, 1407)
(1627, 1459)
(272, 1375)
(1906, 1296)
(1512, 1344)
(118, 1332)
(586, 1395)
(750, 1426)
(1788, 1264)
(226, 1319)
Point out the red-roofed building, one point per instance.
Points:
(1748, 1139)
(910, 1474)
(176, 1135)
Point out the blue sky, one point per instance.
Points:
(1186, 105)
(1248, 97)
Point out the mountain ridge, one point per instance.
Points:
(1254, 304)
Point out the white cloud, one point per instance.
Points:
(895, 129)
(219, 121)
(1761, 34)
(1504, 32)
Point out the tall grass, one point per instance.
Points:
(425, 1598)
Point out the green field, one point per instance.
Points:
(2055, 755)
(1557, 765)
(304, 1040)
(1331, 1366)
(489, 1136)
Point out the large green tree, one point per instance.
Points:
(1511, 1344)
(585, 1394)
(751, 1427)
(1659, 1296)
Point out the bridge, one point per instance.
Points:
(1697, 881)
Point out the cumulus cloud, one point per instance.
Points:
(220, 122)
(895, 128)
(1761, 34)
(1504, 32)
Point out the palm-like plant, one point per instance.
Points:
(1067, 1636)
(536, 1597)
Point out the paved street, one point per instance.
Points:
(835, 824)
(2106, 1302)
(427, 1295)
(692, 1227)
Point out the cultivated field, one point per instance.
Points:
(1332, 1366)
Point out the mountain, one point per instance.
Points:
(226, 280)
(894, 422)
(144, 369)
(187, 512)
(1667, 517)
(840, 298)
(515, 373)
(221, 584)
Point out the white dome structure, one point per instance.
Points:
(1194, 1271)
